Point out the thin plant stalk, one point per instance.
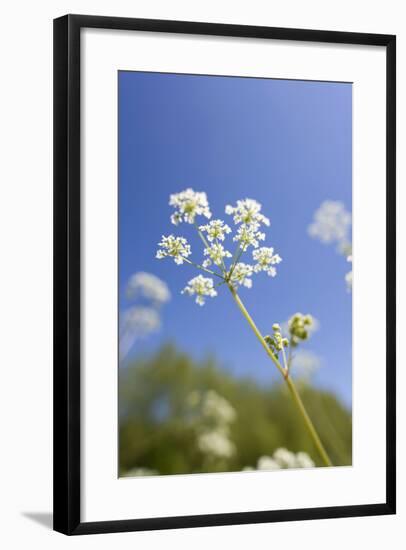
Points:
(285, 373)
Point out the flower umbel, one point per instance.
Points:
(216, 230)
(248, 235)
(248, 212)
(201, 287)
(242, 274)
(247, 215)
(188, 204)
(331, 223)
(148, 286)
(266, 259)
(216, 254)
(175, 247)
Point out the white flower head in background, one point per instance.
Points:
(283, 459)
(140, 472)
(216, 407)
(216, 444)
(218, 261)
(200, 287)
(142, 319)
(212, 417)
(136, 323)
(188, 204)
(267, 463)
(148, 286)
(175, 247)
(331, 223)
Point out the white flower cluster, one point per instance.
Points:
(331, 223)
(216, 407)
(175, 247)
(140, 472)
(148, 286)
(283, 459)
(266, 259)
(216, 254)
(188, 204)
(216, 230)
(247, 212)
(248, 235)
(144, 318)
(247, 216)
(216, 444)
(242, 274)
(215, 414)
(141, 320)
(200, 287)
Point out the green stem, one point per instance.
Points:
(292, 388)
(256, 330)
(235, 260)
(309, 424)
(203, 238)
(204, 268)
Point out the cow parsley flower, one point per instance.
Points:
(283, 459)
(331, 223)
(201, 287)
(175, 247)
(148, 286)
(188, 204)
(248, 235)
(216, 253)
(140, 472)
(216, 230)
(241, 275)
(248, 212)
(136, 323)
(266, 259)
(267, 463)
(217, 444)
(216, 407)
(303, 460)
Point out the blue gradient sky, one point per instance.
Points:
(284, 143)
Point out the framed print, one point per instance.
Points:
(224, 267)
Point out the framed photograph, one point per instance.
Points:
(224, 300)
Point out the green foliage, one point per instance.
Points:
(156, 431)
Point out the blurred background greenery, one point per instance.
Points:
(164, 418)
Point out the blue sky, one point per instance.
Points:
(287, 144)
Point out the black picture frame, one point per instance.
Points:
(67, 279)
